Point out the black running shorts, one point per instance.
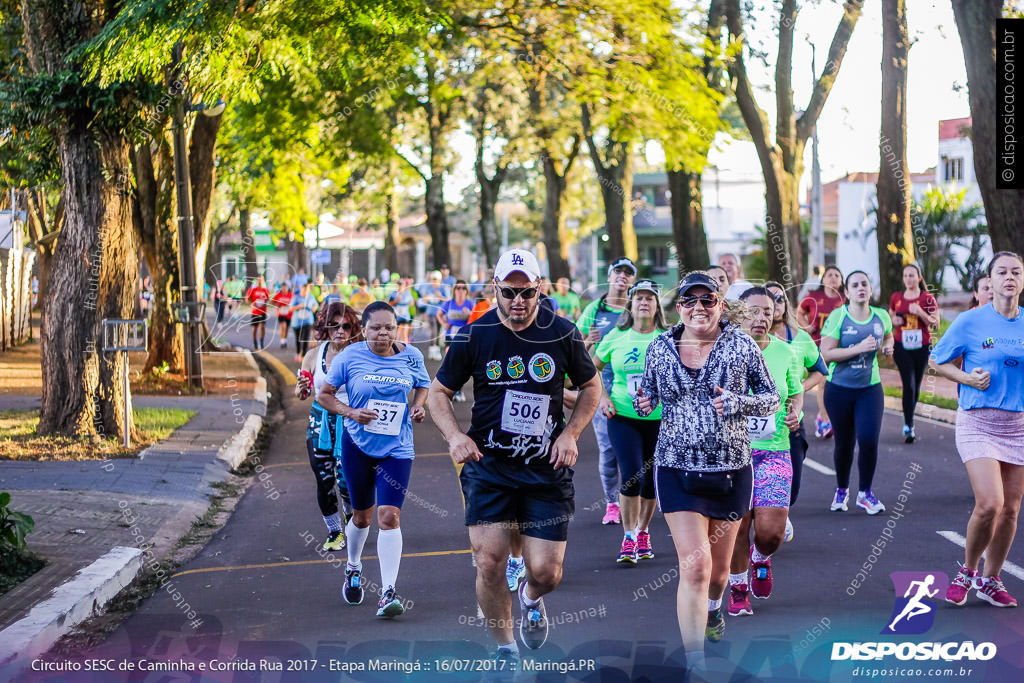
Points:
(541, 501)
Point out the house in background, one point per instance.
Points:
(734, 205)
(850, 202)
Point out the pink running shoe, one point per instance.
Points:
(993, 592)
(739, 600)
(961, 585)
(611, 514)
(644, 551)
(627, 556)
(760, 577)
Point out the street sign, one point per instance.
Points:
(125, 335)
(320, 257)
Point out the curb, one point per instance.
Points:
(89, 591)
(70, 604)
(925, 410)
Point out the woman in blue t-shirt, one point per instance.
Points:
(377, 442)
(989, 424)
(850, 340)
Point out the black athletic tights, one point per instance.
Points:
(325, 468)
(856, 417)
(912, 364)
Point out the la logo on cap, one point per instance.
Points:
(517, 260)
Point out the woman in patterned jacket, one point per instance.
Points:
(708, 377)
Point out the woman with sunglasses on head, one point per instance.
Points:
(814, 309)
(989, 425)
(913, 312)
(708, 377)
(850, 341)
(377, 443)
(786, 328)
(336, 327)
(633, 437)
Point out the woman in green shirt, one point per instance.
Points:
(633, 437)
(851, 338)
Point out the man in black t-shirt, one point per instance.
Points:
(518, 453)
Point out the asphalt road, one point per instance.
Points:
(268, 598)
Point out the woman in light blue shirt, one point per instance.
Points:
(989, 424)
(377, 442)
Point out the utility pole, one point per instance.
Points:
(186, 241)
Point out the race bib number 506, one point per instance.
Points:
(524, 413)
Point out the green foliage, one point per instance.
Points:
(939, 221)
(14, 526)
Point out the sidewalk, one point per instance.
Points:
(93, 519)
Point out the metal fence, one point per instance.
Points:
(15, 296)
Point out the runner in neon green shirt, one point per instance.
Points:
(569, 304)
(624, 349)
(773, 470)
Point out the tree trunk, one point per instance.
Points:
(39, 226)
(437, 220)
(154, 212)
(202, 174)
(95, 275)
(392, 237)
(552, 224)
(895, 239)
(487, 223)
(1004, 209)
(615, 176)
(687, 204)
(248, 246)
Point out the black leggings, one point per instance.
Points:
(912, 364)
(797, 453)
(634, 442)
(302, 342)
(325, 467)
(856, 416)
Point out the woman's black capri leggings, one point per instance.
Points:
(633, 442)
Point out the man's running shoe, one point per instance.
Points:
(962, 583)
(839, 502)
(789, 531)
(994, 592)
(867, 501)
(389, 605)
(716, 626)
(353, 590)
(760, 577)
(739, 600)
(335, 541)
(908, 434)
(819, 427)
(627, 556)
(826, 429)
(644, 551)
(533, 626)
(612, 514)
(515, 572)
(282, 344)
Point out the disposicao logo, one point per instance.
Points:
(914, 612)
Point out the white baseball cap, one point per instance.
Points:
(517, 260)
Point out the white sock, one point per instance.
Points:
(737, 579)
(517, 560)
(639, 531)
(527, 600)
(714, 604)
(356, 541)
(333, 522)
(510, 647)
(756, 556)
(389, 550)
(631, 535)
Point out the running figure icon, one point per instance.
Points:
(915, 607)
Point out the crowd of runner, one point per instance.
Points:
(702, 420)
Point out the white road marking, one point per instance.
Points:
(1008, 567)
(818, 467)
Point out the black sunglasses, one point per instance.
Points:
(512, 292)
(344, 326)
(705, 300)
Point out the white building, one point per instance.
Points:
(850, 201)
